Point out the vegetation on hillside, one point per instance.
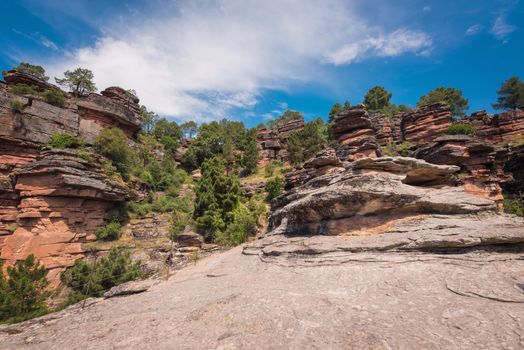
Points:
(511, 94)
(453, 97)
(22, 291)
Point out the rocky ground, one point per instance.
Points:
(307, 299)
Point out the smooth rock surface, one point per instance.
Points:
(373, 300)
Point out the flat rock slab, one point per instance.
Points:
(132, 287)
(397, 300)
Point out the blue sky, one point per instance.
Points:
(250, 60)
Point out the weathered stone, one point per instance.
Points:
(370, 193)
(426, 123)
(189, 239)
(131, 287)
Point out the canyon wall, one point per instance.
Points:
(52, 201)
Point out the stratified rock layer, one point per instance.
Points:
(56, 203)
(272, 143)
(353, 130)
(482, 163)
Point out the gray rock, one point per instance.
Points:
(131, 287)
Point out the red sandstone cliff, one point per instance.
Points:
(51, 201)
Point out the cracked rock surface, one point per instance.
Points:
(369, 300)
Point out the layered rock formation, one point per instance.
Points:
(499, 127)
(387, 129)
(272, 143)
(51, 201)
(353, 130)
(482, 164)
(82, 117)
(56, 203)
(426, 123)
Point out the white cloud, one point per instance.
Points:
(426, 8)
(393, 44)
(474, 29)
(501, 28)
(202, 59)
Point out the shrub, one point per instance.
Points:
(54, 97)
(274, 187)
(24, 89)
(92, 279)
(63, 140)
(393, 149)
(109, 232)
(238, 231)
(112, 143)
(512, 206)
(17, 106)
(269, 169)
(22, 292)
(461, 129)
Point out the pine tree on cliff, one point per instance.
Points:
(377, 98)
(451, 96)
(79, 82)
(511, 94)
(217, 195)
(33, 70)
(336, 109)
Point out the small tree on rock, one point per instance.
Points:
(79, 82)
(33, 70)
(511, 94)
(451, 96)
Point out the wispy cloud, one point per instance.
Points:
(205, 58)
(501, 28)
(38, 38)
(426, 8)
(389, 45)
(474, 29)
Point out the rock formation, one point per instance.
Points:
(426, 123)
(51, 201)
(55, 204)
(272, 141)
(353, 130)
(482, 164)
(499, 127)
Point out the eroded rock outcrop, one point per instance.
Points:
(482, 164)
(52, 201)
(498, 127)
(57, 202)
(426, 123)
(272, 142)
(353, 130)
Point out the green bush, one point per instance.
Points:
(17, 106)
(24, 89)
(274, 187)
(54, 97)
(112, 143)
(461, 129)
(63, 140)
(513, 206)
(271, 168)
(22, 291)
(94, 278)
(238, 231)
(109, 232)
